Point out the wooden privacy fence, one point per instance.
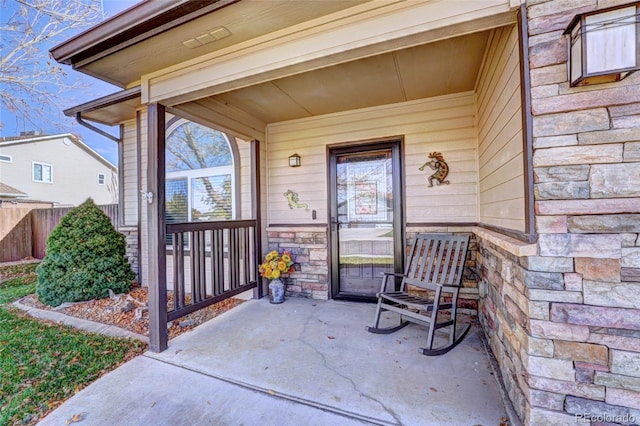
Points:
(24, 232)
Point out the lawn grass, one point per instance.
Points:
(43, 364)
(17, 281)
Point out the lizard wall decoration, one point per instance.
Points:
(293, 200)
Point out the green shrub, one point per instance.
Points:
(85, 259)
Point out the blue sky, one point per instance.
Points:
(93, 89)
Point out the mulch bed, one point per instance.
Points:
(106, 311)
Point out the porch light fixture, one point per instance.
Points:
(603, 45)
(295, 160)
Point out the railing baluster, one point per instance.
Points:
(245, 254)
(233, 253)
(192, 260)
(180, 296)
(202, 264)
(212, 271)
(176, 270)
(220, 258)
(220, 261)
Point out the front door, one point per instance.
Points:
(366, 218)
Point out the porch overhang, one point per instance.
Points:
(360, 32)
(109, 110)
(234, 83)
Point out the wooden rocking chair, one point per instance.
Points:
(434, 269)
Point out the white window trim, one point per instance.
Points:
(197, 173)
(8, 160)
(104, 179)
(33, 172)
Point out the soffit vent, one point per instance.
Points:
(213, 35)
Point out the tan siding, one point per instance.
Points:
(144, 225)
(244, 149)
(501, 181)
(444, 124)
(130, 174)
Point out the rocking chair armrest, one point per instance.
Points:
(395, 274)
(385, 277)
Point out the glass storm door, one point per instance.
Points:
(365, 218)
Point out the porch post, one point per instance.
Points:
(256, 201)
(156, 235)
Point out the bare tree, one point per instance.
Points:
(30, 80)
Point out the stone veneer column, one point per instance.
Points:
(583, 332)
(511, 274)
(131, 235)
(309, 248)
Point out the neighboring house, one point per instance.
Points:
(13, 198)
(10, 193)
(340, 129)
(59, 169)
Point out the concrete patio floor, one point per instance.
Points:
(301, 362)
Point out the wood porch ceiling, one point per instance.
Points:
(433, 69)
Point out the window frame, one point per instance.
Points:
(191, 175)
(41, 164)
(104, 179)
(9, 158)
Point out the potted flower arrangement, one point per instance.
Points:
(272, 268)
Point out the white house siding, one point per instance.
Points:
(444, 124)
(501, 179)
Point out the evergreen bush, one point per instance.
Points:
(85, 258)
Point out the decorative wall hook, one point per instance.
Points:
(293, 198)
(147, 196)
(441, 167)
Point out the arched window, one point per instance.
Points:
(199, 174)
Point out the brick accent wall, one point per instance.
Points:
(565, 323)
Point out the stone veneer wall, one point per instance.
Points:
(565, 323)
(310, 250)
(132, 251)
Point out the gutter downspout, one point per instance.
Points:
(120, 141)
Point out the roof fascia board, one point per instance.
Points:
(321, 42)
(135, 24)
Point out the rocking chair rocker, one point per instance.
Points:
(435, 268)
